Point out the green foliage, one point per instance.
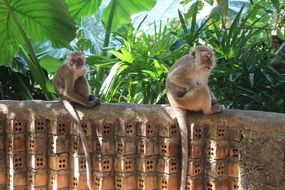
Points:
(123, 11)
(244, 78)
(142, 62)
(130, 65)
(20, 20)
(82, 8)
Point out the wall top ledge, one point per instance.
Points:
(257, 123)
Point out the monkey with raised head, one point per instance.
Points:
(187, 90)
(71, 86)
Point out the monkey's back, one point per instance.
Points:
(59, 79)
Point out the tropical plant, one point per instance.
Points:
(141, 62)
(22, 25)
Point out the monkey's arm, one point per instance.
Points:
(70, 95)
(178, 90)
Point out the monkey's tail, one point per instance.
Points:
(75, 116)
(181, 116)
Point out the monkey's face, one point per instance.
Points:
(76, 61)
(204, 58)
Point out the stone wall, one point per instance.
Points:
(138, 147)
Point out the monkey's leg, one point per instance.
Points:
(81, 86)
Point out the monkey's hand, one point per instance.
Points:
(216, 108)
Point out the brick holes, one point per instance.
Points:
(52, 180)
(82, 164)
(197, 169)
(129, 129)
(106, 129)
(173, 130)
(18, 162)
(75, 181)
(235, 186)
(141, 147)
(98, 147)
(41, 125)
(61, 128)
(221, 170)
(149, 130)
(149, 165)
(52, 143)
(128, 165)
(85, 128)
(211, 151)
(40, 162)
(163, 148)
(62, 163)
(210, 186)
(10, 146)
(75, 145)
(30, 179)
(198, 132)
(173, 166)
(221, 132)
(141, 183)
(234, 153)
(120, 147)
(31, 144)
(164, 184)
(97, 182)
(119, 183)
(18, 126)
(106, 164)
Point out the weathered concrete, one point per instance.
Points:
(257, 137)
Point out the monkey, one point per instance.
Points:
(70, 83)
(187, 90)
(71, 86)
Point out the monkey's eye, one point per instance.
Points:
(193, 54)
(73, 60)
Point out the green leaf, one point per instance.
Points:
(124, 56)
(82, 8)
(50, 64)
(124, 10)
(276, 4)
(37, 19)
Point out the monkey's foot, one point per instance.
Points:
(216, 108)
(94, 100)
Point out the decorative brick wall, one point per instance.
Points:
(138, 147)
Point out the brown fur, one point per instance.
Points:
(187, 89)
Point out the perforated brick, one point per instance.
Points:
(58, 162)
(147, 164)
(147, 146)
(125, 164)
(168, 165)
(195, 167)
(125, 181)
(103, 181)
(125, 146)
(104, 146)
(37, 178)
(38, 161)
(216, 149)
(168, 182)
(58, 179)
(146, 181)
(103, 164)
(168, 147)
